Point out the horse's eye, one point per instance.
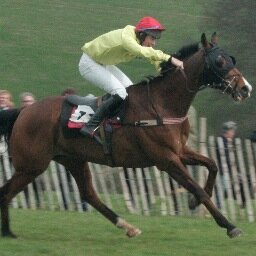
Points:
(220, 61)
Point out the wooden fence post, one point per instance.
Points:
(99, 171)
(226, 179)
(149, 183)
(203, 150)
(220, 195)
(143, 196)
(56, 185)
(251, 165)
(47, 183)
(8, 174)
(126, 194)
(65, 186)
(241, 162)
(169, 193)
(160, 190)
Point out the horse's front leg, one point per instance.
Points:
(190, 157)
(176, 169)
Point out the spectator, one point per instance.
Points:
(26, 99)
(5, 100)
(68, 91)
(228, 133)
(253, 136)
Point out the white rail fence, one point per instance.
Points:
(148, 191)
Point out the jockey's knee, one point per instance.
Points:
(118, 98)
(121, 92)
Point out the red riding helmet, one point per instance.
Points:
(150, 26)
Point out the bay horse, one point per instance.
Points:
(154, 133)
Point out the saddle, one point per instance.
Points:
(77, 111)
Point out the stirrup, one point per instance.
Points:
(86, 131)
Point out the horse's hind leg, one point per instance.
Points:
(11, 188)
(177, 171)
(191, 157)
(82, 175)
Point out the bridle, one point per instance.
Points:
(225, 84)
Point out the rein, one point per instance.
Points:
(225, 86)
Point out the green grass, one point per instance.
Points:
(82, 234)
(40, 44)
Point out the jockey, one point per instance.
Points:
(97, 64)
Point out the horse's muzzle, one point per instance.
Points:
(242, 93)
(245, 92)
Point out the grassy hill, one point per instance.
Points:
(40, 44)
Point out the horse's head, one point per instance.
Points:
(220, 71)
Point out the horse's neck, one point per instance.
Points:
(185, 84)
(194, 68)
(168, 96)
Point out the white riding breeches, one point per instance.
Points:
(107, 77)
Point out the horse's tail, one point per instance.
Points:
(7, 120)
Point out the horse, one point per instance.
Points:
(154, 132)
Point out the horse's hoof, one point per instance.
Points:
(192, 202)
(235, 232)
(133, 232)
(9, 234)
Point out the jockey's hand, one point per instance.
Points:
(177, 63)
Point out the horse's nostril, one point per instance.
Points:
(244, 91)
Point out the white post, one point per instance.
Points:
(101, 177)
(203, 150)
(56, 184)
(252, 168)
(244, 180)
(219, 185)
(142, 190)
(226, 179)
(65, 186)
(149, 183)
(168, 193)
(8, 174)
(160, 188)
(126, 194)
(134, 189)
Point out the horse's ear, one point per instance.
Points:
(204, 41)
(233, 60)
(215, 38)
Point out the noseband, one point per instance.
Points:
(225, 85)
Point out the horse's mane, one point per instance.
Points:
(182, 54)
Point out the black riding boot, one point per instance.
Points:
(105, 110)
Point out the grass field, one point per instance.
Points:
(40, 44)
(89, 234)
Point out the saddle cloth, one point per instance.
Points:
(77, 111)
